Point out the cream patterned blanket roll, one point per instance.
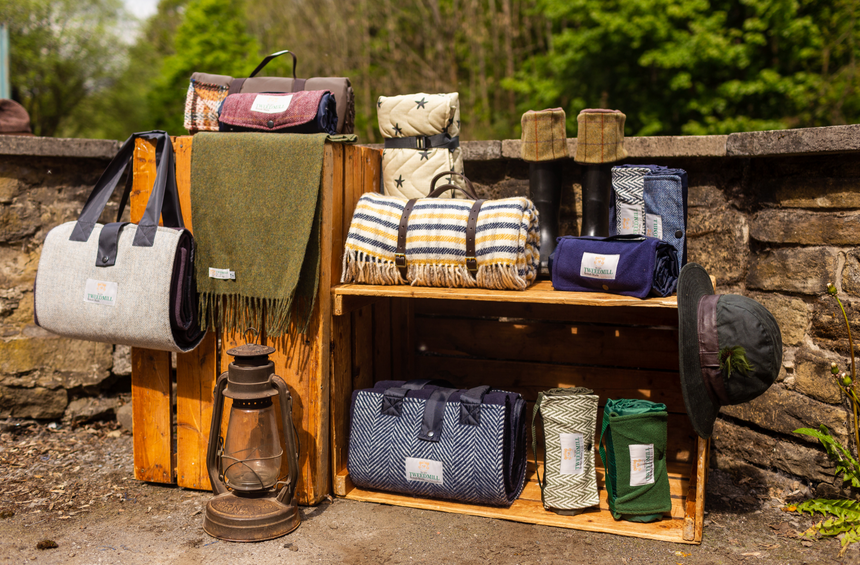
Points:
(408, 172)
(507, 245)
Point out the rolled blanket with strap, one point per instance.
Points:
(308, 111)
(666, 208)
(631, 265)
(569, 417)
(426, 440)
(634, 457)
(421, 134)
(434, 236)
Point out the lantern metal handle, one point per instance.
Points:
(290, 438)
(215, 435)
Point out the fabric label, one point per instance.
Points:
(595, 266)
(641, 464)
(654, 226)
(100, 292)
(424, 470)
(224, 274)
(572, 453)
(271, 104)
(630, 219)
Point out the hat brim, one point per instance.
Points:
(693, 284)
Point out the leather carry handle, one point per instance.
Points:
(272, 56)
(163, 201)
(468, 191)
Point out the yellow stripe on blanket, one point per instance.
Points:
(507, 248)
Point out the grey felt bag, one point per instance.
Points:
(123, 283)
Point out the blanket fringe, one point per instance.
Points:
(361, 268)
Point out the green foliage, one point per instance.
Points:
(63, 52)
(212, 38)
(699, 66)
(845, 512)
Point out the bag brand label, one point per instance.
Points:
(271, 104)
(630, 217)
(654, 226)
(572, 454)
(424, 470)
(641, 464)
(223, 274)
(595, 266)
(100, 292)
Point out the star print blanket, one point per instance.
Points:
(421, 132)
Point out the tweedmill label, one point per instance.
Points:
(271, 104)
(641, 464)
(100, 292)
(654, 225)
(424, 470)
(596, 266)
(572, 453)
(223, 274)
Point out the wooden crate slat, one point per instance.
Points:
(528, 511)
(150, 374)
(195, 383)
(633, 347)
(539, 293)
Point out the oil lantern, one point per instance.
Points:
(244, 467)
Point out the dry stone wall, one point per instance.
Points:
(773, 215)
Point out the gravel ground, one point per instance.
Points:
(75, 488)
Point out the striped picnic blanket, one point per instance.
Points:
(507, 243)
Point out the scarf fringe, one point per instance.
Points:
(237, 313)
(359, 267)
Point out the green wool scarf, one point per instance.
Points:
(256, 211)
(634, 458)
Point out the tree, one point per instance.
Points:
(212, 38)
(699, 66)
(62, 52)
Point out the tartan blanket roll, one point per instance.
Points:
(507, 243)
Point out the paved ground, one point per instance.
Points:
(74, 487)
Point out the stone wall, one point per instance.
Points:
(43, 183)
(773, 215)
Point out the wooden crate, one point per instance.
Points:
(172, 407)
(526, 342)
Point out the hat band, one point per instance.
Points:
(709, 349)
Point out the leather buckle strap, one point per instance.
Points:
(422, 142)
(400, 251)
(471, 232)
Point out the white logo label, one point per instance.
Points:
(224, 274)
(631, 219)
(596, 266)
(572, 453)
(271, 104)
(654, 226)
(424, 470)
(100, 292)
(641, 465)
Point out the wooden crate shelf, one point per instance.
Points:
(527, 342)
(172, 407)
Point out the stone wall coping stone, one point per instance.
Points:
(801, 141)
(33, 146)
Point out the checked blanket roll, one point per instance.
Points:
(507, 243)
(417, 438)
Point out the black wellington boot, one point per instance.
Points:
(545, 192)
(596, 189)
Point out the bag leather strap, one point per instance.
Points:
(163, 201)
(421, 142)
(471, 224)
(298, 84)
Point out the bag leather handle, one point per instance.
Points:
(272, 56)
(468, 191)
(163, 201)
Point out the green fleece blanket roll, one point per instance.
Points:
(634, 458)
(255, 207)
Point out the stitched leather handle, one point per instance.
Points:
(468, 191)
(272, 56)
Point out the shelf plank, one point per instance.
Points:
(539, 293)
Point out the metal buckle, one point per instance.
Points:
(472, 265)
(400, 259)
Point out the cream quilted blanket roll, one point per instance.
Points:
(407, 172)
(507, 243)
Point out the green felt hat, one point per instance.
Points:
(729, 346)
